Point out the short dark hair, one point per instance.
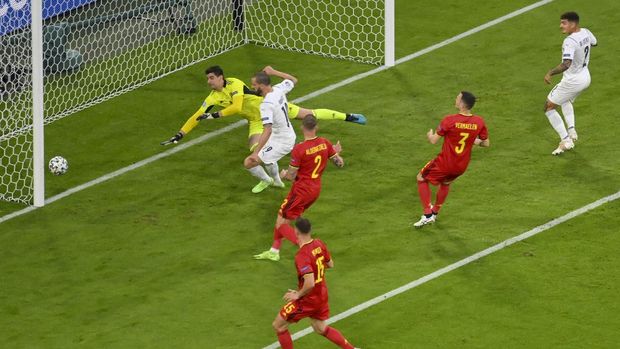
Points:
(309, 122)
(468, 98)
(570, 16)
(262, 78)
(216, 69)
(303, 225)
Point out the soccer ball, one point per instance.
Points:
(58, 165)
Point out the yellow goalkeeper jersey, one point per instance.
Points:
(235, 98)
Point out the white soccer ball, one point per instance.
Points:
(58, 165)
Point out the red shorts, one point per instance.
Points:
(435, 174)
(297, 310)
(299, 199)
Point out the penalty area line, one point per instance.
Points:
(537, 230)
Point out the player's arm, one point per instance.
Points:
(562, 67)
(482, 142)
(237, 100)
(337, 160)
(334, 154)
(264, 137)
(308, 285)
(189, 124)
(330, 264)
(432, 136)
(272, 72)
(290, 173)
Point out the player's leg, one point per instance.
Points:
(280, 325)
(569, 116)
(281, 230)
(254, 166)
(330, 333)
(274, 172)
(442, 194)
(424, 178)
(298, 112)
(255, 129)
(559, 95)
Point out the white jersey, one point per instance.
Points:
(576, 47)
(274, 111)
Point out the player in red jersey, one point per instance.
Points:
(460, 131)
(310, 300)
(308, 161)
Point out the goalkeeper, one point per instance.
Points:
(235, 98)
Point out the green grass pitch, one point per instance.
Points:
(160, 257)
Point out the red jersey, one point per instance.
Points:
(311, 157)
(459, 132)
(313, 257)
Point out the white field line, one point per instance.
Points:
(298, 100)
(539, 229)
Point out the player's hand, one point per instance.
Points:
(477, 141)
(283, 174)
(268, 70)
(291, 295)
(430, 133)
(174, 139)
(208, 116)
(548, 79)
(337, 147)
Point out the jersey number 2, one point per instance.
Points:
(317, 160)
(461, 147)
(586, 50)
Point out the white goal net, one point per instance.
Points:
(94, 50)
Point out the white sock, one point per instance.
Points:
(274, 171)
(274, 250)
(569, 114)
(557, 123)
(259, 172)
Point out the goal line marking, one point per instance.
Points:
(238, 124)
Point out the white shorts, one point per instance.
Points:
(567, 91)
(274, 151)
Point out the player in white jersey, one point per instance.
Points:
(278, 137)
(576, 78)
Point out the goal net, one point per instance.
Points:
(94, 50)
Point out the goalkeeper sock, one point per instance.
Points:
(327, 114)
(425, 197)
(259, 172)
(569, 114)
(274, 172)
(557, 123)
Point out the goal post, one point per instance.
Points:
(52, 51)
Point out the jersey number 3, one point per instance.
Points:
(461, 147)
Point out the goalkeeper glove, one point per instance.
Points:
(208, 116)
(174, 139)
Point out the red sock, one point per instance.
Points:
(277, 239)
(336, 337)
(425, 196)
(442, 194)
(288, 232)
(286, 342)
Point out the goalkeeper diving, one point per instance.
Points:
(233, 97)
